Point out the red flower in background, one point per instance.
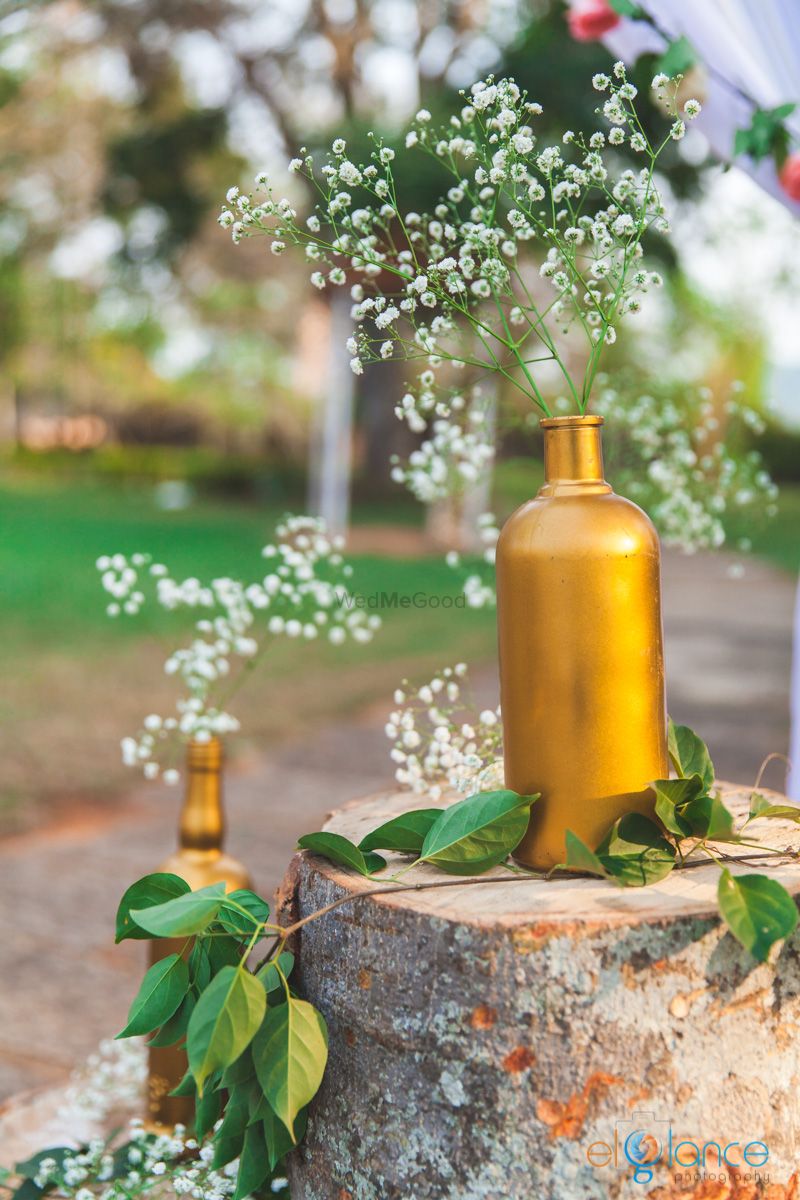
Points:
(790, 176)
(591, 19)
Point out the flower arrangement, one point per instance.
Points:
(452, 288)
(302, 595)
(438, 741)
(684, 459)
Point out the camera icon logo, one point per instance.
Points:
(643, 1138)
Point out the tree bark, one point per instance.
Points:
(486, 1043)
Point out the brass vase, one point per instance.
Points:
(199, 860)
(581, 649)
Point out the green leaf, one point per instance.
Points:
(635, 852)
(254, 1165)
(224, 1021)
(476, 834)
(186, 1087)
(404, 834)
(290, 1052)
(222, 951)
(342, 851)
(236, 922)
(200, 965)
(175, 1028)
(689, 754)
(28, 1190)
(758, 911)
(188, 914)
(766, 135)
(207, 1112)
(626, 8)
(162, 989)
(677, 58)
(708, 817)
(239, 1071)
(29, 1167)
(269, 975)
(146, 893)
(277, 1138)
(581, 858)
(760, 807)
(229, 1138)
(671, 795)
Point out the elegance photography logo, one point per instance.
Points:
(644, 1140)
(388, 600)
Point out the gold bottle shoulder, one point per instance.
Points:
(587, 522)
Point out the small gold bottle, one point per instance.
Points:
(581, 653)
(199, 860)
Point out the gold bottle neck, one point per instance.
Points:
(202, 823)
(573, 454)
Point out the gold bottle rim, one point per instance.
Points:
(588, 420)
(204, 756)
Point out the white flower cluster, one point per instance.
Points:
(438, 744)
(458, 448)
(112, 1080)
(173, 1161)
(137, 1162)
(449, 287)
(478, 586)
(685, 459)
(303, 594)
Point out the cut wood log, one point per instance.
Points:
(544, 1040)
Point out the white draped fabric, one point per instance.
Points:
(750, 50)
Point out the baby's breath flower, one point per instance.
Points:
(304, 588)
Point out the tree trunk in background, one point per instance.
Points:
(381, 434)
(452, 524)
(331, 447)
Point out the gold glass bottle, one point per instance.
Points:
(581, 648)
(199, 860)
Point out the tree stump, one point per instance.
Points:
(543, 1040)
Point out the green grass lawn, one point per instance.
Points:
(76, 681)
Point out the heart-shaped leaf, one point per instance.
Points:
(290, 1052)
(758, 911)
(342, 851)
(760, 806)
(635, 852)
(671, 795)
(243, 924)
(478, 833)
(708, 817)
(581, 858)
(224, 1022)
(162, 989)
(148, 892)
(404, 834)
(186, 915)
(689, 754)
